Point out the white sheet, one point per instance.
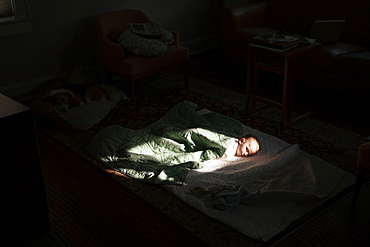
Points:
(290, 183)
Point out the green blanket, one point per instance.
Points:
(163, 152)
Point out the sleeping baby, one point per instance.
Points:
(246, 146)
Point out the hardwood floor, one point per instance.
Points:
(89, 209)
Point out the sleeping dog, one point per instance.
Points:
(71, 96)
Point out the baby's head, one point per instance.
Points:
(248, 145)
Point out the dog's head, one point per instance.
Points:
(60, 98)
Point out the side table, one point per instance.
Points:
(288, 72)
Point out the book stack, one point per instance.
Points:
(270, 42)
(151, 29)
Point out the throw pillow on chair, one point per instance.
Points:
(141, 46)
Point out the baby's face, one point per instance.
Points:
(247, 147)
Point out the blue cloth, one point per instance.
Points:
(224, 197)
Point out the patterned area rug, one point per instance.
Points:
(154, 98)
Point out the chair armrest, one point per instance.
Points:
(176, 37)
(109, 47)
(364, 155)
(244, 15)
(238, 16)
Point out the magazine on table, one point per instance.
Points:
(277, 44)
(273, 49)
(147, 29)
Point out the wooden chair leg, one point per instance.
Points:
(108, 77)
(360, 179)
(363, 161)
(132, 80)
(186, 75)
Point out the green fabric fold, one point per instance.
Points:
(165, 151)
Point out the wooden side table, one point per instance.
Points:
(288, 72)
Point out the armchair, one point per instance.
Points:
(116, 60)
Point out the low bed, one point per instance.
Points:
(259, 195)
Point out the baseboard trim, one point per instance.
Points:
(23, 91)
(31, 89)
